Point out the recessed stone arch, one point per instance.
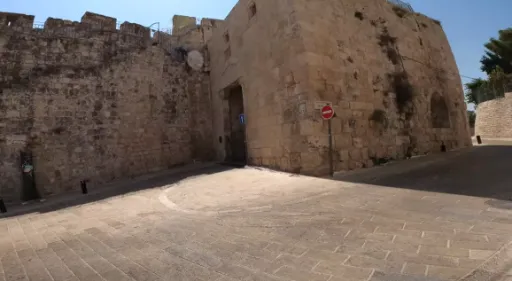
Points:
(439, 112)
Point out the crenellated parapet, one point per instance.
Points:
(99, 21)
(16, 21)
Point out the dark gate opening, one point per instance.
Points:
(236, 152)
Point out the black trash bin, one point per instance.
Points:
(3, 209)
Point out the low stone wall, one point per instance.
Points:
(494, 118)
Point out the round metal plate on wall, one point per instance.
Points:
(195, 60)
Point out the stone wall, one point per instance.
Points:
(391, 77)
(260, 52)
(494, 118)
(94, 102)
(389, 73)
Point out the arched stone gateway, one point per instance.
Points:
(439, 113)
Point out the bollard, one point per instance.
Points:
(83, 185)
(479, 139)
(443, 147)
(3, 209)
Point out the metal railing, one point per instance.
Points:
(402, 4)
(491, 91)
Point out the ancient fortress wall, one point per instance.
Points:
(494, 118)
(391, 76)
(94, 101)
(260, 52)
(389, 73)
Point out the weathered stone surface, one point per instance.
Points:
(286, 59)
(100, 103)
(494, 117)
(92, 104)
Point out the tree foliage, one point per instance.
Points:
(497, 63)
(471, 118)
(498, 53)
(473, 89)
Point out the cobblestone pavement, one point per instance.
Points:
(250, 224)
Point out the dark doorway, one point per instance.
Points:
(236, 145)
(29, 191)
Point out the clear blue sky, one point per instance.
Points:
(468, 23)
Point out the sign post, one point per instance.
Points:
(327, 114)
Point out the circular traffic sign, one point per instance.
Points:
(327, 112)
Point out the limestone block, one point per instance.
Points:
(12, 114)
(336, 126)
(285, 164)
(16, 140)
(354, 165)
(365, 154)
(179, 23)
(343, 105)
(401, 140)
(348, 126)
(256, 161)
(14, 20)
(99, 21)
(344, 155)
(358, 142)
(288, 129)
(361, 106)
(266, 152)
(266, 162)
(310, 159)
(355, 154)
(342, 141)
(277, 151)
(307, 127)
(341, 166)
(318, 141)
(135, 29)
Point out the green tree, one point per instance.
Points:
(495, 86)
(471, 118)
(497, 63)
(498, 53)
(474, 90)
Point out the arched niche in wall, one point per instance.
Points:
(439, 112)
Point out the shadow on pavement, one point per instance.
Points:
(75, 198)
(482, 171)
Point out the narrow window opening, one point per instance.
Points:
(226, 37)
(9, 23)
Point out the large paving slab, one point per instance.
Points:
(447, 221)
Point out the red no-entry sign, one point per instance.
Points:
(327, 112)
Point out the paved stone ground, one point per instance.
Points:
(438, 223)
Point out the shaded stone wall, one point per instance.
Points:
(93, 102)
(494, 118)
